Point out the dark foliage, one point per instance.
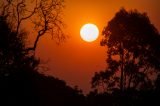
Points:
(34, 89)
(133, 63)
(20, 82)
(132, 55)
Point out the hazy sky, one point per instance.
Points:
(75, 61)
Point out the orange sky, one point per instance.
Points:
(75, 61)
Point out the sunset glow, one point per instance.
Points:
(77, 60)
(79, 52)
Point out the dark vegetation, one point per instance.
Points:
(133, 60)
(20, 82)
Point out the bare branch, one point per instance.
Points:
(45, 16)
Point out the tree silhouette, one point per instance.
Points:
(13, 56)
(132, 53)
(43, 16)
(20, 82)
(15, 66)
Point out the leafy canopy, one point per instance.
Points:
(132, 52)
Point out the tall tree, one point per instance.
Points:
(132, 52)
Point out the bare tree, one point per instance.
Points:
(45, 16)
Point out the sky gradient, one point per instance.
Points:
(75, 60)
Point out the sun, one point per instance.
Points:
(89, 32)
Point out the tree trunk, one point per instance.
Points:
(122, 66)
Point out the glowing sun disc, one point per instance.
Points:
(89, 32)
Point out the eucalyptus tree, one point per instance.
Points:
(133, 48)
